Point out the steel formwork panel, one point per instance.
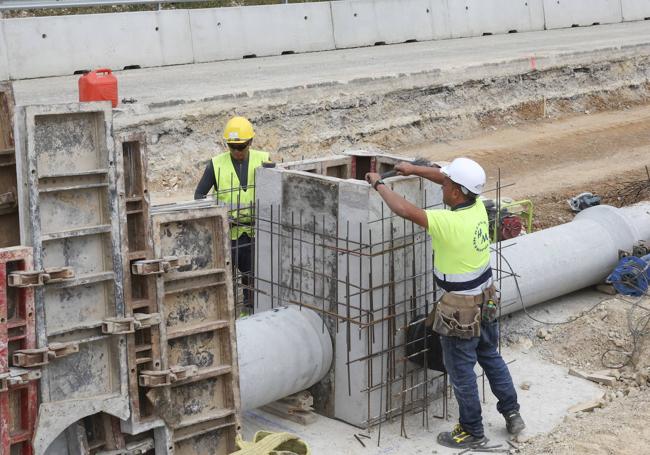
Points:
(198, 330)
(18, 397)
(143, 346)
(69, 213)
(9, 225)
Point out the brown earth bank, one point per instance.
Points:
(551, 161)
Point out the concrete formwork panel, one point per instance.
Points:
(571, 13)
(367, 22)
(478, 17)
(329, 244)
(267, 30)
(96, 40)
(141, 306)
(18, 389)
(200, 401)
(635, 10)
(9, 225)
(69, 214)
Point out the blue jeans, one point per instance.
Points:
(460, 356)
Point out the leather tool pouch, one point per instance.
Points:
(458, 316)
(490, 305)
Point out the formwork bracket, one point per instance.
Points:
(146, 320)
(17, 377)
(165, 378)
(121, 326)
(29, 279)
(29, 358)
(158, 266)
(118, 326)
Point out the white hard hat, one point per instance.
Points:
(467, 173)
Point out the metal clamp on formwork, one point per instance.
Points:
(157, 266)
(29, 358)
(121, 326)
(146, 320)
(17, 377)
(165, 378)
(23, 279)
(118, 326)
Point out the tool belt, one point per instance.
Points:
(458, 315)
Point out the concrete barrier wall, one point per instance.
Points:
(568, 13)
(231, 33)
(61, 45)
(635, 10)
(44, 46)
(479, 17)
(367, 22)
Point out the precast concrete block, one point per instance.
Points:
(196, 389)
(67, 187)
(63, 45)
(369, 22)
(337, 249)
(232, 33)
(635, 10)
(9, 223)
(479, 17)
(573, 13)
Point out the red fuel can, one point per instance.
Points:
(98, 85)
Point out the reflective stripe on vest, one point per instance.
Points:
(232, 195)
(460, 240)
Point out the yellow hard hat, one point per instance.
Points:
(238, 130)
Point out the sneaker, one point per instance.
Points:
(460, 439)
(514, 423)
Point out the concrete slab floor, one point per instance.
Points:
(552, 391)
(186, 83)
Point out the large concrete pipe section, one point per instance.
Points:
(281, 351)
(569, 257)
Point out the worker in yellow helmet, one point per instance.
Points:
(232, 177)
(465, 318)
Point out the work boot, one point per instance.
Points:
(514, 423)
(460, 439)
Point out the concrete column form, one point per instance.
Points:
(281, 351)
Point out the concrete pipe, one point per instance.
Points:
(281, 351)
(569, 257)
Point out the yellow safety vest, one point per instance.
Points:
(240, 202)
(461, 243)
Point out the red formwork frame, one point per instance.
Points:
(17, 331)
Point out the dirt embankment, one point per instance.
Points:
(404, 115)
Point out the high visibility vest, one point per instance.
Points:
(461, 243)
(240, 202)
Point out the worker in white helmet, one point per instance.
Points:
(465, 317)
